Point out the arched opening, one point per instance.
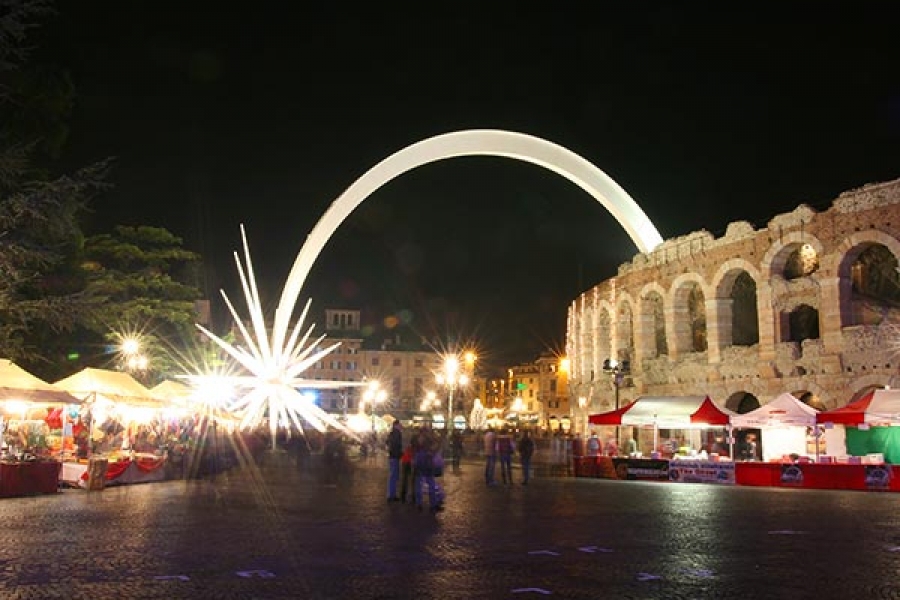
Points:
(744, 315)
(875, 285)
(803, 324)
(810, 399)
(690, 318)
(742, 402)
(801, 262)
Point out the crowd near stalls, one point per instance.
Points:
(782, 443)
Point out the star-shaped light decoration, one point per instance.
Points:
(274, 365)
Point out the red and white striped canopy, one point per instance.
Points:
(877, 407)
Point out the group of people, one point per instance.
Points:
(501, 447)
(416, 464)
(414, 467)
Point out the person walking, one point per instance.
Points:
(456, 450)
(506, 447)
(593, 450)
(526, 450)
(490, 456)
(424, 448)
(395, 451)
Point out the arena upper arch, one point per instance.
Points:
(808, 303)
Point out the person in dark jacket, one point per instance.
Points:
(395, 451)
(526, 450)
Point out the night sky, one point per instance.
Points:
(226, 113)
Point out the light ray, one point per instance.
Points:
(274, 363)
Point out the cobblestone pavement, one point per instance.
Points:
(279, 532)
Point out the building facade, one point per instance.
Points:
(538, 394)
(809, 305)
(404, 368)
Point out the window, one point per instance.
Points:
(396, 387)
(375, 361)
(418, 362)
(396, 362)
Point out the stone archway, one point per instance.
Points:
(474, 142)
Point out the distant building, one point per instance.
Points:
(543, 390)
(404, 365)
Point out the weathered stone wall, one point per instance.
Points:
(615, 318)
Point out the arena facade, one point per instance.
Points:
(809, 305)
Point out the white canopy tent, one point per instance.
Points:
(18, 384)
(172, 391)
(784, 422)
(688, 413)
(115, 386)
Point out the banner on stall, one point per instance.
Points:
(641, 468)
(698, 471)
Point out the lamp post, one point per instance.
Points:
(133, 359)
(374, 394)
(452, 378)
(617, 371)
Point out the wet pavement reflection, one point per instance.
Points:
(276, 531)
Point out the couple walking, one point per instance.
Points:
(501, 447)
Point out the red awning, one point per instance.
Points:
(613, 417)
(667, 412)
(710, 414)
(878, 407)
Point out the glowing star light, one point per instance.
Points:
(275, 365)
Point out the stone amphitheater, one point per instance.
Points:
(809, 305)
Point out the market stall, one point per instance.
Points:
(870, 425)
(36, 430)
(788, 427)
(844, 466)
(123, 424)
(687, 443)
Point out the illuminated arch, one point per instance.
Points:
(484, 142)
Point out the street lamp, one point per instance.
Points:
(617, 371)
(452, 378)
(133, 359)
(373, 395)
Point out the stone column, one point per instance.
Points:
(718, 327)
(832, 289)
(769, 321)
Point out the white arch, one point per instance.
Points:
(485, 142)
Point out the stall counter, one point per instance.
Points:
(821, 476)
(28, 478)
